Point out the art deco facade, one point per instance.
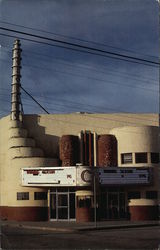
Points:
(77, 166)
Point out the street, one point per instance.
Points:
(131, 238)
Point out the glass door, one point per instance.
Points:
(63, 213)
(116, 205)
(53, 206)
(62, 205)
(113, 205)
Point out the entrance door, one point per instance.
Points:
(62, 205)
(113, 205)
(116, 205)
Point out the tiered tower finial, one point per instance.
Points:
(16, 76)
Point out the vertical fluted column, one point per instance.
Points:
(16, 76)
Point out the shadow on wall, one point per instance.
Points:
(48, 143)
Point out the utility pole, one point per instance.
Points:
(95, 200)
(159, 103)
(94, 180)
(16, 76)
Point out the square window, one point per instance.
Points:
(141, 157)
(134, 195)
(126, 158)
(40, 195)
(23, 196)
(154, 157)
(151, 194)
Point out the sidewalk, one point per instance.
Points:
(65, 226)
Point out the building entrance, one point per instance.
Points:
(62, 205)
(113, 205)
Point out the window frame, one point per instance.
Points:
(155, 161)
(22, 196)
(133, 195)
(124, 161)
(151, 194)
(40, 196)
(141, 159)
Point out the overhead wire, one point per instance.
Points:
(78, 45)
(89, 115)
(34, 99)
(93, 51)
(126, 114)
(92, 78)
(85, 66)
(74, 38)
(98, 80)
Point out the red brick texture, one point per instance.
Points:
(84, 214)
(140, 213)
(24, 213)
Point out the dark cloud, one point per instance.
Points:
(95, 82)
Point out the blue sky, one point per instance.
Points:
(66, 81)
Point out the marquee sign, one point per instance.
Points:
(125, 176)
(57, 176)
(83, 176)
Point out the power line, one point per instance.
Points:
(34, 99)
(79, 106)
(92, 115)
(91, 78)
(86, 110)
(74, 38)
(98, 80)
(85, 66)
(73, 49)
(95, 70)
(81, 47)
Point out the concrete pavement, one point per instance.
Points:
(68, 226)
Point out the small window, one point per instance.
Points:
(142, 176)
(154, 157)
(151, 194)
(126, 158)
(84, 201)
(127, 171)
(110, 171)
(141, 157)
(23, 196)
(40, 196)
(134, 195)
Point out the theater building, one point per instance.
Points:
(67, 166)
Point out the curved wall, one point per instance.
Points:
(107, 151)
(20, 151)
(136, 140)
(143, 209)
(69, 150)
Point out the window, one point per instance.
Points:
(110, 171)
(141, 157)
(40, 195)
(126, 158)
(134, 195)
(154, 157)
(142, 176)
(23, 196)
(151, 194)
(127, 171)
(84, 201)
